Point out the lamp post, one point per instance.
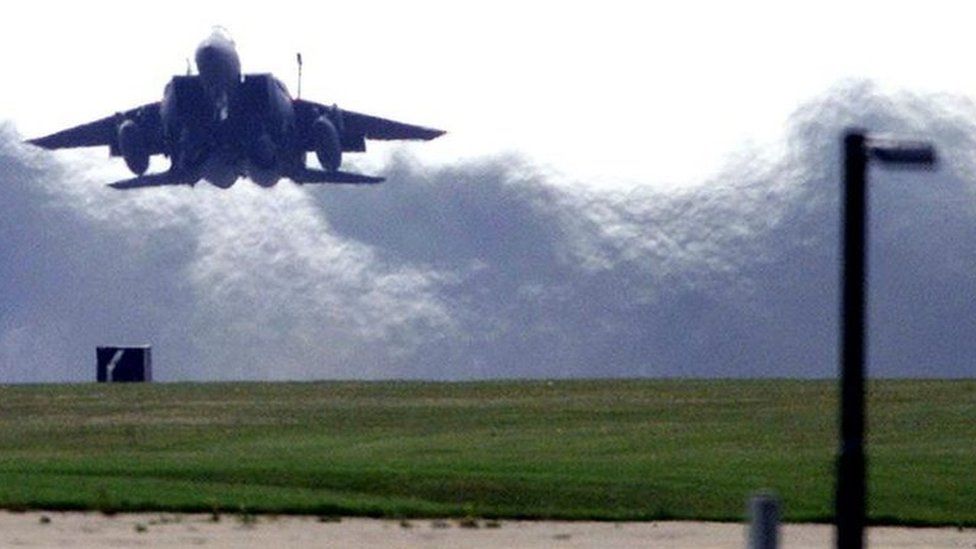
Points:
(859, 149)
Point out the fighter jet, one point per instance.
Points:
(220, 125)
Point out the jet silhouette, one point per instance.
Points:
(220, 125)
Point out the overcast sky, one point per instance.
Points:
(611, 92)
(624, 191)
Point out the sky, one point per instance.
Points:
(624, 191)
(614, 93)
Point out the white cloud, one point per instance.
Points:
(489, 269)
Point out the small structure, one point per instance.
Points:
(123, 364)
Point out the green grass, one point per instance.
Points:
(564, 449)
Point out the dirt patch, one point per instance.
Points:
(94, 530)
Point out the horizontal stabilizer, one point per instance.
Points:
(151, 180)
(338, 176)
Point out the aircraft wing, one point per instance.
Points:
(374, 127)
(356, 127)
(104, 132)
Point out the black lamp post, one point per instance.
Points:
(851, 464)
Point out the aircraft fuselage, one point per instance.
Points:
(219, 67)
(221, 125)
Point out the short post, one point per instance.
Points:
(764, 522)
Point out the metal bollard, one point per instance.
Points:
(764, 522)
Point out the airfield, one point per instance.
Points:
(607, 450)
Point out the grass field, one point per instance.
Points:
(564, 449)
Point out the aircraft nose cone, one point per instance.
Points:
(219, 67)
(206, 55)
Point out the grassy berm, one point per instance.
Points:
(625, 449)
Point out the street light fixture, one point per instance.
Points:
(851, 464)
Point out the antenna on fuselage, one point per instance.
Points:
(189, 68)
(299, 55)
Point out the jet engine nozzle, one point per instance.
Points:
(132, 145)
(263, 153)
(328, 149)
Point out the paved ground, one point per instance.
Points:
(165, 530)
